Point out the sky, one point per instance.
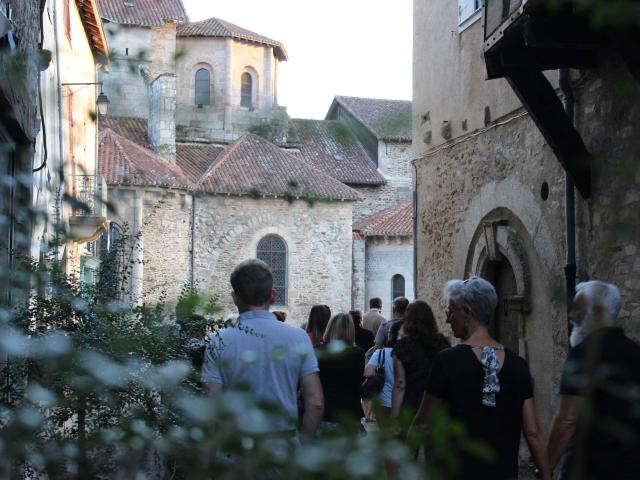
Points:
(361, 48)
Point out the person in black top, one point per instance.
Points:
(364, 338)
(600, 392)
(485, 386)
(341, 369)
(419, 343)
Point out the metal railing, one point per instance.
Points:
(89, 193)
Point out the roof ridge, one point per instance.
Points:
(219, 160)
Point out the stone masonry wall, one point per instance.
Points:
(394, 159)
(386, 257)
(318, 240)
(378, 198)
(162, 108)
(358, 274)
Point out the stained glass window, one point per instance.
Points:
(273, 251)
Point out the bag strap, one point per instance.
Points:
(381, 358)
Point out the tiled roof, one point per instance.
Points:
(215, 27)
(146, 13)
(329, 146)
(254, 166)
(196, 159)
(123, 162)
(386, 119)
(135, 129)
(394, 221)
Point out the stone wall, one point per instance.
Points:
(165, 225)
(380, 197)
(358, 277)
(162, 108)
(394, 159)
(386, 257)
(129, 48)
(318, 240)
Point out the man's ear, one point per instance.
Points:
(235, 298)
(273, 296)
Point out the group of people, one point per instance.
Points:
(479, 382)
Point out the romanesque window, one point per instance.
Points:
(397, 286)
(246, 90)
(203, 87)
(273, 251)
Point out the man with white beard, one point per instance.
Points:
(598, 423)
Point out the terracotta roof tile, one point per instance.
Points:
(254, 166)
(386, 119)
(215, 27)
(123, 162)
(147, 13)
(329, 146)
(196, 159)
(394, 221)
(134, 129)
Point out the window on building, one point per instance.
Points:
(203, 87)
(246, 90)
(466, 9)
(273, 251)
(397, 286)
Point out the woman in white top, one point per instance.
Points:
(384, 397)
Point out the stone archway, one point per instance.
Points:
(497, 253)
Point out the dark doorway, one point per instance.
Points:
(505, 325)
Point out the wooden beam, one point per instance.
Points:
(539, 98)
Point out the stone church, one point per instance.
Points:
(205, 169)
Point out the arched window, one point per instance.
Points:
(397, 286)
(273, 251)
(246, 90)
(203, 87)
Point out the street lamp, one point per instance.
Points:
(102, 102)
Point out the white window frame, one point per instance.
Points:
(471, 17)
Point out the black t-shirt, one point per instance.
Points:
(364, 338)
(456, 378)
(416, 359)
(605, 370)
(341, 377)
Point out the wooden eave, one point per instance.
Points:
(93, 27)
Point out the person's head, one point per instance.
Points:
(400, 305)
(318, 319)
(252, 285)
(596, 305)
(420, 323)
(393, 335)
(472, 303)
(280, 315)
(375, 302)
(356, 315)
(340, 327)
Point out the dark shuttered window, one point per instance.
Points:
(203, 87)
(246, 89)
(397, 286)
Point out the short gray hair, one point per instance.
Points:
(605, 295)
(476, 293)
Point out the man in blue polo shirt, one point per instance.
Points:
(268, 356)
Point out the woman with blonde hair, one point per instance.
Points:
(341, 365)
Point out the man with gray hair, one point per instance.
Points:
(268, 356)
(598, 423)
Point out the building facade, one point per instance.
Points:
(491, 190)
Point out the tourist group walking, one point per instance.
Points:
(348, 370)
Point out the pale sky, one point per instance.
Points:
(361, 48)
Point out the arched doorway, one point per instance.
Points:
(505, 326)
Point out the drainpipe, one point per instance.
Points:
(570, 268)
(58, 199)
(193, 238)
(415, 230)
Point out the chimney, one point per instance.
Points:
(162, 116)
